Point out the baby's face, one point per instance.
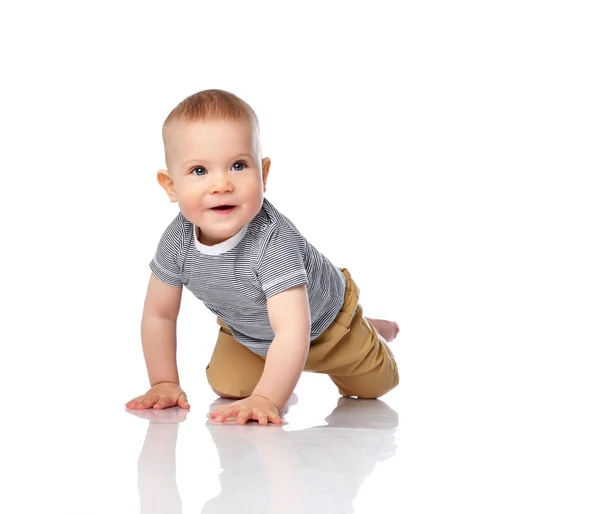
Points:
(216, 163)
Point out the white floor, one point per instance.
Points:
(417, 450)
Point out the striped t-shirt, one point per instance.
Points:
(234, 278)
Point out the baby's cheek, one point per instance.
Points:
(189, 206)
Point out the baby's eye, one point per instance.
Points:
(239, 166)
(199, 171)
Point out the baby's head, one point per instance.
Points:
(213, 158)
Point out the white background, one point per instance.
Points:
(445, 152)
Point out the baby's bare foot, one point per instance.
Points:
(386, 329)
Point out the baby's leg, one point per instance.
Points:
(233, 371)
(375, 373)
(358, 360)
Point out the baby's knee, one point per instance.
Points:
(228, 385)
(367, 387)
(367, 393)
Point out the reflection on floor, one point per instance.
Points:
(273, 469)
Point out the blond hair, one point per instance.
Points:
(210, 104)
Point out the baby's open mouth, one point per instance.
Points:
(223, 207)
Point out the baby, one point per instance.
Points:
(281, 305)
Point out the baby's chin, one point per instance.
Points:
(211, 236)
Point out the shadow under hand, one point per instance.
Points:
(157, 483)
(318, 469)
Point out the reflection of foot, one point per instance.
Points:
(386, 329)
(171, 415)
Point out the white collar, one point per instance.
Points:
(223, 246)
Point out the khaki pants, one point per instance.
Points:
(350, 351)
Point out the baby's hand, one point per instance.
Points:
(161, 396)
(253, 407)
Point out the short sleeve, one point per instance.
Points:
(281, 263)
(165, 262)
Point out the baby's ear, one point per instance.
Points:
(165, 181)
(266, 166)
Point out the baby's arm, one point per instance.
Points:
(159, 343)
(159, 331)
(289, 315)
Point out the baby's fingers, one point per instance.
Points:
(163, 403)
(147, 402)
(136, 400)
(130, 404)
(182, 401)
(224, 413)
(141, 402)
(273, 417)
(245, 414)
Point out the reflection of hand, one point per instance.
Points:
(293, 470)
(157, 483)
(259, 437)
(264, 457)
(253, 407)
(161, 396)
(165, 416)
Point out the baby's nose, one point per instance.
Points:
(221, 183)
